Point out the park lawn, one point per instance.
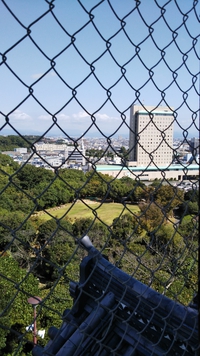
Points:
(107, 212)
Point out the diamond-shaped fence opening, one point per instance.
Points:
(99, 116)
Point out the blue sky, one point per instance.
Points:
(85, 74)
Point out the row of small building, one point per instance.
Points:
(70, 158)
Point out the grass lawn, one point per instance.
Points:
(106, 212)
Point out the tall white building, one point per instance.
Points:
(151, 136)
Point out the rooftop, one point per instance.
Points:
(118, 167)
(165, 112)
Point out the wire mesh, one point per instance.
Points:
(77, 80)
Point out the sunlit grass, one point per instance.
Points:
(105, 212)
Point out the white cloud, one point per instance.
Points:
(105, 117)
(73, 123)
(19, 115)
(80, 115)
(39, 75)
(45, 117)
(102, 116)
(98, 116)
(52, 74)
(63, 116)
(60, 116)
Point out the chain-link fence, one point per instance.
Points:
(99, 137)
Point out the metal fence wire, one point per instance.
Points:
(71, 74)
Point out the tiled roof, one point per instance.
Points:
(114, 314)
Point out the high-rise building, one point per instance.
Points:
(151, 136)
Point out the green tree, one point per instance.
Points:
(73, 178)
(47, 196)
(46, 229)
(97, 231)
(193, 208)
(156, 183)
(168, 197)
(53, 231)
(57, 300)
(96, 185)
(151, 216)
(30, 176)
(99, 234)
(192, 195)
(168, 240)
(126, 227)
(116, 190)
(56, 243)
(190, 204)
(14, 199)
(15, 223)
(16, 236)
(189, 228)
(6, 161)
(133, 190)
(15, 287)
(10, 142)
(140, 192)
(82, 227)
(124, 153)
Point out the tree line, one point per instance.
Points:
(10, 142)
